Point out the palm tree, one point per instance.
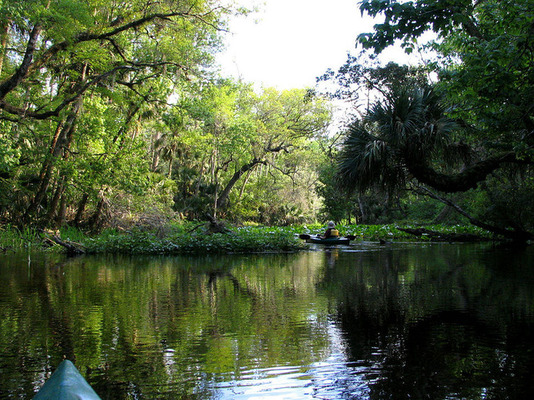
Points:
(407, 128)
(408, 138)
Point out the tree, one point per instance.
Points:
(485, 69)
(78, 79)
(279, 124)
(361, 78)
(485, 88)
(243, 141)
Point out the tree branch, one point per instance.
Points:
(515, 234)
(14, 80)
(55, 112)
(464, 180)
(223, 198)
(28, 65)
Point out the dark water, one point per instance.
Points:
(397, 322)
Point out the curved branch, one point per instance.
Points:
(29, 65)
(223, 198)
(518, 235)
(462, 181)
(24, 69)
(87, 36)
(23, 112)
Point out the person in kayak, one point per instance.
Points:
(331, 231)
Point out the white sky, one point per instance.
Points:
(291, 42)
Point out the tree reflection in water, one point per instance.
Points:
(419, 321)
(447, 323)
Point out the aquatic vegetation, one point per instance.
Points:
(391, 231)
(239, 240)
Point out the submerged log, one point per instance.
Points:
(72, 248)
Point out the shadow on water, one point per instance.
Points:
(447, 322)
(361, 322)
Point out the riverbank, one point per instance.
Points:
(195, 238)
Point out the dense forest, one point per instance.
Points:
(113, 112)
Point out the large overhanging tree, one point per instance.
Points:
(486, 87)
(77, 80)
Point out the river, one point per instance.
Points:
(400, 321)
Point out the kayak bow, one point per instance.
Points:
(66, 383)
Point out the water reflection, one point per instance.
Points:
(419, 321)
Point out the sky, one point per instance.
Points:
(288, 43)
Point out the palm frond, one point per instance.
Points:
(410, 124)
(365, 160)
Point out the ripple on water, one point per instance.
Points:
(324, 380)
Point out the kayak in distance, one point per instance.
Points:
(338, 240)
(66, 383)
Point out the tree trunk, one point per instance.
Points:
(155, 161)
(171, 161)
(55, 201)
(361, 205)
(199, 180)
(4, 29)
(80, 210)
(516, 235)
(63, 133)
(47, 168)
(244, 185)
(222, 200)
(121, 132)
(95, 220)
(61, 140)
(16, 79)
(155, 153)
(62, 211)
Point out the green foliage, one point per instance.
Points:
(234, 142)
(483, 58)
(360, 77)
(483, 66)
(422, 210)
(79, 117)
(509, 202)
(116, 112)
(12, 238)
(178, 241)
(337, 205)
(252, 239)
(187, 238)
(381, 149)
(10, 152)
